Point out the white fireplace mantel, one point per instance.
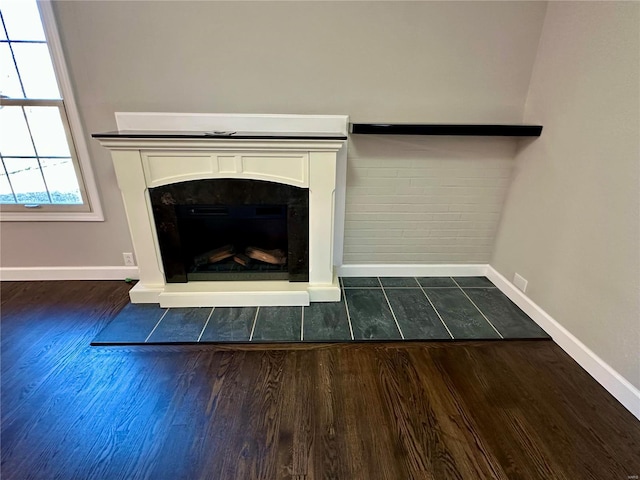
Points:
(170, 148)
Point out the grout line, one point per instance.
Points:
(430, 287)
(437, 312)
(346, 306)
(391, 288)
(154, 328)
(478, 308)
(206, 323)
(387, 287)
(253, 327)
(302, 325)
(390, 308)
(368, 288)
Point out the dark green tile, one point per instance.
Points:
(437, 282)
(355, 282)
(278, 324)
(505, 315)
(132, 325)
(229, 324)
(326, 321)
(461, 316)
(370, 316)
(416, 317)
(474, 282)
(398, 282)
(181, 325)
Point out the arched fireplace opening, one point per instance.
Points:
(232, 229)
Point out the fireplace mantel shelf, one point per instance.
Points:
(482, 130)
(213, 135)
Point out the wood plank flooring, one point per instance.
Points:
(474, 410)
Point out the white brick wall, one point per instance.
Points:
(424, 199)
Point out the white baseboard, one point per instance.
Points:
(402, 270)
(145, 294)
(627, 394)
(8, 274)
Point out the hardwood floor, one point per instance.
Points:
(513, 409)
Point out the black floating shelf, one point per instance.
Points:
(447, 129)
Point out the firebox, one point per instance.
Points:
(232, 230)
(234, 242)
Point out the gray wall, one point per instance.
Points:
(375, 61)
(571, 225)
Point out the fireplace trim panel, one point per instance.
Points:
(142, 163)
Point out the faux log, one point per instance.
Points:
(214, 256)
(242, 259)
(274, 257)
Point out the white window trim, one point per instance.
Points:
(95, 214)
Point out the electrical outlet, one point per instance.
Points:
(520, 282)
(128, 259)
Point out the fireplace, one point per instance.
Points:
(253, 217)
(232, 230)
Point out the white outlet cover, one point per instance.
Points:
(128, 259)
(520, 282)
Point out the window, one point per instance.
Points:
(44, 172)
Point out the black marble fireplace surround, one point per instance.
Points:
(169, 202)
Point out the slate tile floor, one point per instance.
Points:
(372, 308)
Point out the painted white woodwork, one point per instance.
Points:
(321, 217)
(132, 183)
(242, 122)
(412, 270)
(307, 163)
(162, 168)
(86, 178)
(38, 274)
(235, 294)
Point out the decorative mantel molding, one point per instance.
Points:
(141, 163)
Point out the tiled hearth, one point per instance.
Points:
(372, 308)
